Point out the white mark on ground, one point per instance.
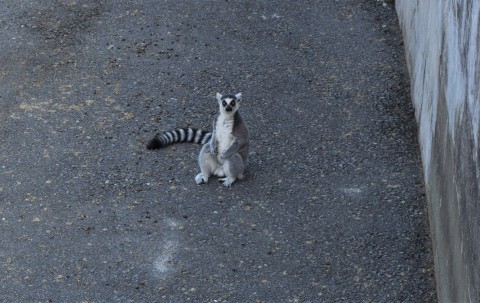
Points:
(273, 16)
(171, 223)
(352, 190)
(164, 263)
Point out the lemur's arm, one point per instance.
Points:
(213, 139)
(237, 143)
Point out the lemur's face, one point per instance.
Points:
(229, 103)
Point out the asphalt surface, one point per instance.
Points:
(332, 208)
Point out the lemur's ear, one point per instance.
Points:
(219, 97)
(239, 97)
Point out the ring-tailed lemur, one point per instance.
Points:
(225, 150)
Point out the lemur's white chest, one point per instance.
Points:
(223, 133)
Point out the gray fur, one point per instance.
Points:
(226, 154)
(224, 151)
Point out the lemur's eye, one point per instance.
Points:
(224, 103)
(232, 103)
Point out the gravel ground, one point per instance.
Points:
(332, 208)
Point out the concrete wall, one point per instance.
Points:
(442, 41)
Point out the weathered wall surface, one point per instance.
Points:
(442, 40)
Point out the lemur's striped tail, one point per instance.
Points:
(193, 135)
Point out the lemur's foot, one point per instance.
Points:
(228, 181)
(201, 178)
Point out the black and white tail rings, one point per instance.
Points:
(180, 135)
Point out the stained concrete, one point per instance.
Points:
(442, 40)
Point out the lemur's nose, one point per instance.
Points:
(228, 108)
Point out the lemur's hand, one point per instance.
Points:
(213, 148)
(225, 156)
